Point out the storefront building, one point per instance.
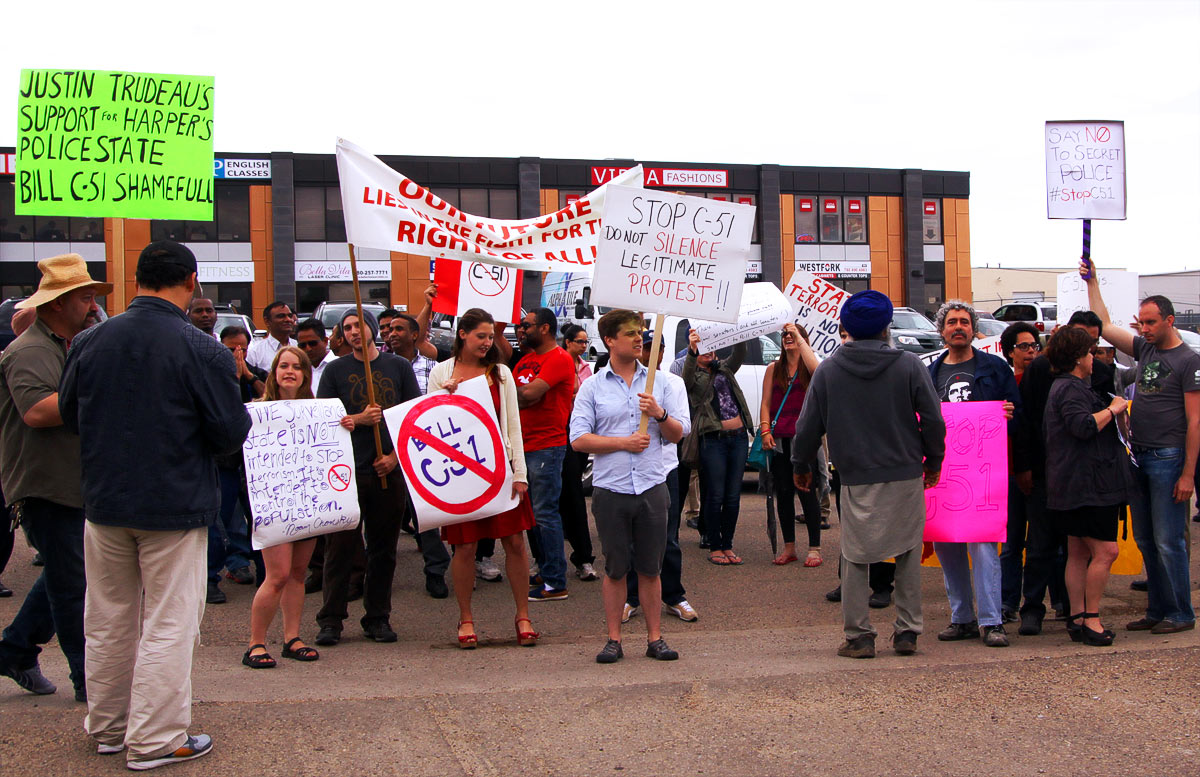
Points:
(278, 233)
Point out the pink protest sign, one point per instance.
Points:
(970, 501)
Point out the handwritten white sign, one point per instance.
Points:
(987, 345)
(452, 455)
(817, 304)
(1118, 289)
(764, 309)
(299, 471)
(1085, 169)
(672, 254)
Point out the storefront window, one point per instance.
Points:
(87, 230)
(502, 203)
(931, 221)
(235, 294)
(310, 213)
(335, 222)
(233, 213)
(806, 218)
(826, 218)
(168, 230)
(831, 219)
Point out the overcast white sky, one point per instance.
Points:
(942, 86)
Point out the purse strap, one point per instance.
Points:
(778, 412)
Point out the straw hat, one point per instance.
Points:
(61, 274)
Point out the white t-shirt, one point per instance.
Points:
(318, 369)
(262, 352)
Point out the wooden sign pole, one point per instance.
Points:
(368, 343)
(655, 348)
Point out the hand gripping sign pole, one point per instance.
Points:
(367, 345)
(655, 347)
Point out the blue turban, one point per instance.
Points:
(866, 314)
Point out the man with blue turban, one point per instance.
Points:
(884, 421)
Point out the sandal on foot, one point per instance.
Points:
(468, 641)
(526, 638)
(733, 558)
(813, 560)
(304, 653)
(261, 660)
(719, 559)
(785, 558)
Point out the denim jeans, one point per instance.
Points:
(722, 465)
(228, 538)
(54, 604)
(672, 567)
(1160, 530)
(544, 470)
(984, 566)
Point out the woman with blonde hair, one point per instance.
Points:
(290, 378)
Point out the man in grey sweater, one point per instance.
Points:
(886, 433)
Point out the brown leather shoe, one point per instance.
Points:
(1141, 624)
(1171, 627)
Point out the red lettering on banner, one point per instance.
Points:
(417, 192)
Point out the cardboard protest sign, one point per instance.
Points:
(1085, 169)
(387, 210)
(1118, 289)
(987, 345)
(465, 285)
(106, 143)
(299, 470)
(817, 305)
(970, 501)
(452, 455)
(764, 309)
(672, 254)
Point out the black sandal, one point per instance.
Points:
(301, 653)
(258, 660)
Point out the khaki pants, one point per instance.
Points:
(856, 591)
(139, 652)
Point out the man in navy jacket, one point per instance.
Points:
(966, 374)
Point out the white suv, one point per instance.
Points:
(1043, 315)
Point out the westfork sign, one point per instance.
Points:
(662, 176)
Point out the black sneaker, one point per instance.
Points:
(5, 591)
(880, 599)
(957, 631)
(995, 636)
(904, 643)
(1031, 624)
(380, 631)
(659, 651)
(436, 586)
(1008, 615)
(1140, 585)
(215, 595)
(328, 635)
(835, 595)
(37, 560)
(859, 647)
(194, 747)
(611, 653)
(30, 679)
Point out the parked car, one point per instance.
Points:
(1043, 315)
(229, 318)
(911, 331)
(990, 327)
(1190, 339)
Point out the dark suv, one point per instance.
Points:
(911, 331)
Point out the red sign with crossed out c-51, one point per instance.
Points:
(452, 455)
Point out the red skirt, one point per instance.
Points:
(494, 527)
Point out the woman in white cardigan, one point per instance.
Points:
(475, 354)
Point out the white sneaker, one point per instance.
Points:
(586, 572)
(487, 570)
(629, 612)
(103, 749)
(684, 611)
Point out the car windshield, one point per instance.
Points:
(229, 319)
(903, 319)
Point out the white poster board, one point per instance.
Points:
(1118, 289)
(817, 304)
(465, 285)
(452, 455)
(987, 345)
(299, 471)
(764, 309)
(1085, 169)
(672, 254)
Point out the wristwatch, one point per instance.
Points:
(664, 418)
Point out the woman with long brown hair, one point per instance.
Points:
(475, 354)
(784, 385)
(283, 589)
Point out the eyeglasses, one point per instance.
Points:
(580, 342)
(1028, 346)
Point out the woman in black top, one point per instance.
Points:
(1087, 478)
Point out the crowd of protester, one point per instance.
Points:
(90, 414)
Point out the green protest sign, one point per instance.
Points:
(104, 143)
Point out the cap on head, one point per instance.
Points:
(61, 274)
(866, 314)
(368, 316)
(167, 252)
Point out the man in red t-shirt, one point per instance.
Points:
(545, 382)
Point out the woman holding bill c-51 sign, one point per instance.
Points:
(475, 354)
(286, 563)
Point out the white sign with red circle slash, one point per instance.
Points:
(299, 470)
(452, 455)
(465, 285)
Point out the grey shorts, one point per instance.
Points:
(632, 529)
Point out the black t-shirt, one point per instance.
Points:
(346, 379)
(956, 382)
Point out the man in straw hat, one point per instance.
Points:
(39, 469)
(154, 400)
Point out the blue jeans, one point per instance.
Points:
(54, 604)
(1160, 530)
(984, 566)
(228, 538)
(544, 470)
(722, 465)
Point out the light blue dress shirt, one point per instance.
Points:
(606, 406)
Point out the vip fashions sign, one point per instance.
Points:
(672, 254)
(1085, 169)
(299, 470)
(452, 455)
(104, 143)
(387, 210)
(970, 501)
(764, 309)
